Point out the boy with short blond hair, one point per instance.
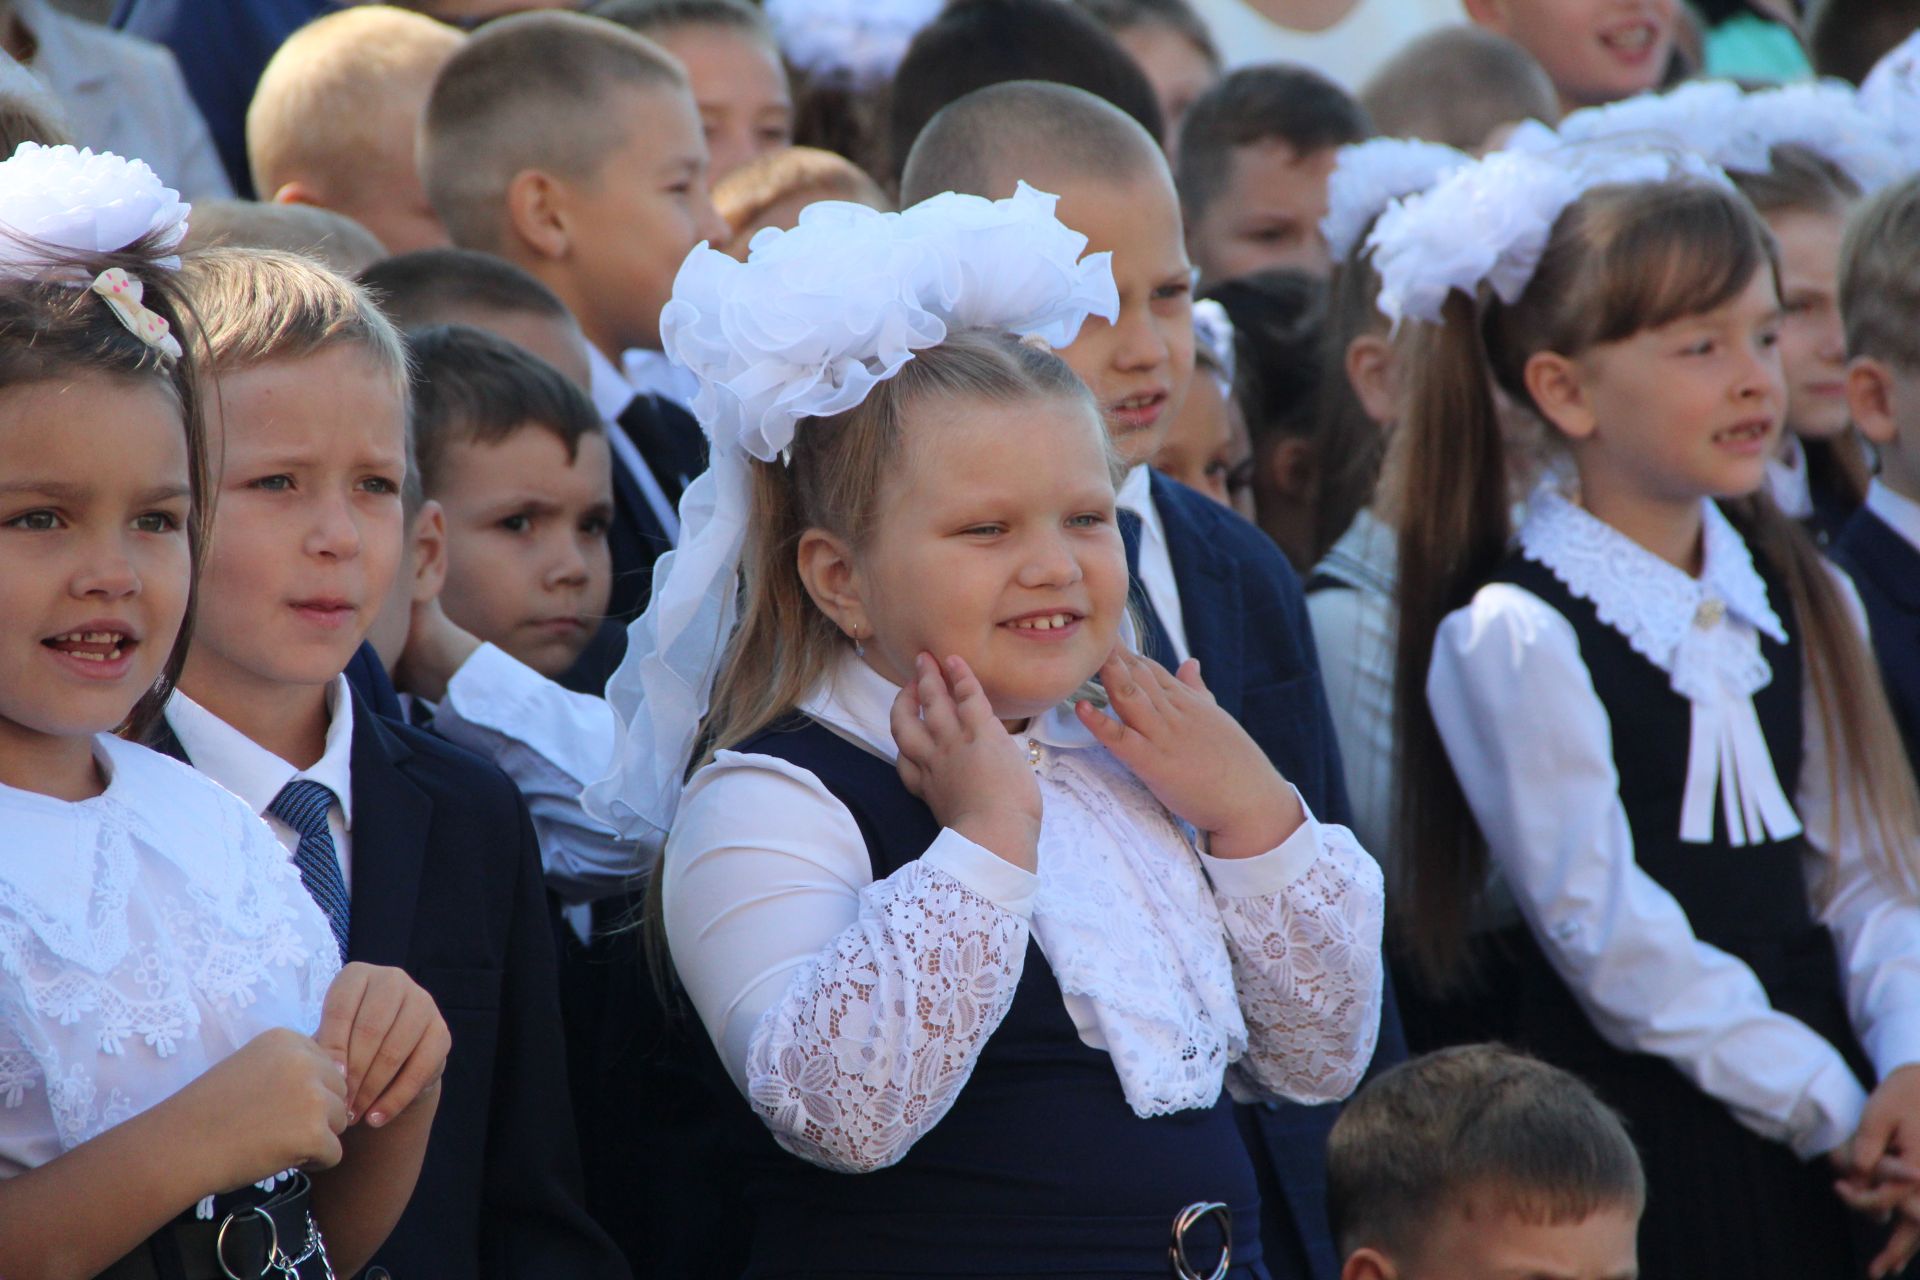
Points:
(1880, 545)
(333, 120)
(1460, 86)
(425, 855)
(1477, 1161)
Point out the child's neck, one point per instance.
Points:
(290, 720)
(1669, 527)
(59, 766)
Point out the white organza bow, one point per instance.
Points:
(65, 198)
(806, 327)
(1369, 175)
(855, 42)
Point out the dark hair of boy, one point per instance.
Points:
(976, 43)
(1476, 1118)
(650, 16)
(1880, 278)
(1846, 37)
(1177, 16)
(1275, 103)
(471, 387)
(1456, 86)
(421, 287)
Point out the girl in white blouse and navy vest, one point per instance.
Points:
(981, 955)
(1655, 715)
(174, 1019)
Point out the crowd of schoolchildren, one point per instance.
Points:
(883, 638)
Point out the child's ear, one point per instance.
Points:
(1370, 372)
(537, 214)
(1369, 1264)
(1560, 393)
(1491, 14)
(1870, 399)
(429, 538)
(1291, 469)
(297, 192)
(827, 571)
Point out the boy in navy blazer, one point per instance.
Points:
(1207, 585)
(1880, 545)
(423, 855)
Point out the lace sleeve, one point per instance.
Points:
(873, 1040)
(1307, 964)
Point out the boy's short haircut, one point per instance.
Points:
(1456, 86)
(976, 43)
(1846, 37)
(1177, 16)
(332, 238)
(529, 92)
(650, 17)
(1880, 277)
(744, 195)
(309, 112)
(430, 286)
(470, 387)
(1476, 1119)
(982, 142)
(1275, 103)
(1799, 180)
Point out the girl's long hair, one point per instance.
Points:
(1620, 260)
(54, 327)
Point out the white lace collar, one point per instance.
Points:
(1703, 632)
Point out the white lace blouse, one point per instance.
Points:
(1531, 743)
(851, 1012)
(145, 934)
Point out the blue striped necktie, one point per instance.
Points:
(1155, 642)
(302, 804)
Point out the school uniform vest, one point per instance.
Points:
(1722, 1201)
(1040, 1168)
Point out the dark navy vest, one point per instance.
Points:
(1040, 1168)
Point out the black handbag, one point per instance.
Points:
(255, 1235)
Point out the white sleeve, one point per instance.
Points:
(849, 1011)
(1532, 747)
(552, 743)
(1303, 931)
(1875, 929)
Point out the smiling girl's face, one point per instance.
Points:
(996, 541)
(95, 566)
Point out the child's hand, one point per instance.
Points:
(958, 758)
(283, 1100)
(1194, 757)
(387, 1032)
(436, 648)
(1892, 1188)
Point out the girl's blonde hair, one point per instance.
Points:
(1620, 260)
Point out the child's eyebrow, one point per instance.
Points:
(65, 491)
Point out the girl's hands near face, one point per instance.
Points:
(1194, 757)
(957, 757)
(282, 1099)
(388, 1033)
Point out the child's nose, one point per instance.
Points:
(107, 572)
(335, 531)
(1139, 345)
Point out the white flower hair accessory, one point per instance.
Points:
(1827, 119)
(1369, 175)
(1213, 329)
(1891, 95)
(83, 201)
(1488, 222)
(855, 43)
(806, 327)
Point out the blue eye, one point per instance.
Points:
(273, 484)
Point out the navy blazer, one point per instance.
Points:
(1246, 621)
(636, 538)
(447, 885)
(1886, 569)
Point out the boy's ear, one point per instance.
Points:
(1491, 14)
(1370, 372)
(297, 192)
(1560, 393)
(1870, 399)
(1369, 1264)
(429, 552)
(538, 217)
(827, 570)
(1291, 469)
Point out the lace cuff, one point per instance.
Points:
(1307, 964)
(873, 1040)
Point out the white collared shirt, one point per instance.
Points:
(1901, 514)
(257, 776)
(612, 393)
(1156, 559)
(1788, 481)
(1531, 744)
(774, 916)
(653, 373)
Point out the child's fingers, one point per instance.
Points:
(341, 1010)
(1873, 1140)
(937, 711)
(1189, 675)
(1129, 691)
(404, 1040)
(909, 734)
(422, 1067)
(969, 698)
(1899, 1250)
(1109, 731)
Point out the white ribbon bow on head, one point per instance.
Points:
(124, 296)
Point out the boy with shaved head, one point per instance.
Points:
(1207, 584)
(334, 118)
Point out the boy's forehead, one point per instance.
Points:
(341, 385)
(1135, 216)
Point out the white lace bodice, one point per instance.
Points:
(852, 1011)
(144, 935)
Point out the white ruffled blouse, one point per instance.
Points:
(1531, 743)
(851, 1012)
(145, 935)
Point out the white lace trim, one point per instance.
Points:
(874, 1040)
(1703, 632)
